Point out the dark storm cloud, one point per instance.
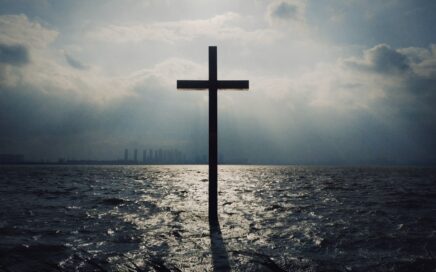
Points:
(411, 71)
(75, 63)
(285, 10)
(382, 59)
(13, 54)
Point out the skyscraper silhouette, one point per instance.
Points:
(160, 156)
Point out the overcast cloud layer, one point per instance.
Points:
(345, 82)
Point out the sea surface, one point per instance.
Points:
(272, 218)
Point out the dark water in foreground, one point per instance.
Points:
(140, 218)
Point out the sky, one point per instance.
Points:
(331, 82)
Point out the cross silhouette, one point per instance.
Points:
(213, 84)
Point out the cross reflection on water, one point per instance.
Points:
(142, 218)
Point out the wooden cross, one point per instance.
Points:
(213, 84)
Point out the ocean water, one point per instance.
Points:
(154, 218)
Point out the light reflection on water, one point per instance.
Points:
(142, 218)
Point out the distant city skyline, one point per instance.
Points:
(150, 156)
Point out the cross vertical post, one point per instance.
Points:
(213, 84)
(213, 136)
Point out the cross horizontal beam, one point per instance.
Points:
(220, 84)
(193, 84)
(233, 84)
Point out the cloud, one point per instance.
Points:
(220, 27)
(405, 78)
(27, 42)
(423, 60)
(13, 54)
(286, 12)
(382, 59)
(382, 74)
(75, 63)
(17, 29)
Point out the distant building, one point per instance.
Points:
(11, 158)
(165, 156)
(150, 155)
(160, 156)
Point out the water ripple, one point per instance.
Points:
(145, 218)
